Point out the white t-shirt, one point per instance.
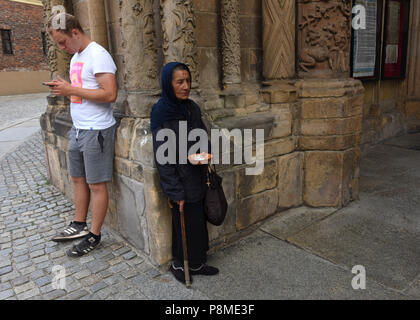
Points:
(90, 115)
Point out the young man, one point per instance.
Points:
(91, 147)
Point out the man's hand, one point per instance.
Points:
(107, 91)
(60, 87)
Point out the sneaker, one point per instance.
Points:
(73, 231)
(85, 246)
(204, 270)
(179, 273)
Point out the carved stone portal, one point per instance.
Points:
(324, 33)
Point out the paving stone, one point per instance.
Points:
(6, 294)
(82, 274)
(130, 255)
(98, 286)
(5, 263)
(5, 270)
(28, 294)
(54, 294)
(76, 295)
(25, 287)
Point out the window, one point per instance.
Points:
(6, 40)
(379, 48)
(44, 43)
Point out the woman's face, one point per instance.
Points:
(181, 83)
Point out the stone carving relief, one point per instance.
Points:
(231, 46)
(178, 27)
(279, 38)
(137, 30)
(324, 35)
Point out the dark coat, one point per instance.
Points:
(182, 181)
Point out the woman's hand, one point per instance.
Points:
(199, 158)
(181, 205)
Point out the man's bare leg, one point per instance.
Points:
(99, 199)
(81, 198)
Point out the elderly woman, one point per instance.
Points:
(183, 182)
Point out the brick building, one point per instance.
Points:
(279, 65)
(23, 60)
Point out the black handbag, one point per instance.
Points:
(215, 204)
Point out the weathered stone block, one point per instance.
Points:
(136, 171)
(250, 7)
(324, 108)
(319, 127)
(282, 126)
(256, 208)
(214, 103)
(280, 93)
(340, 142)
(159, 219)
(122, 166)
(323, 178)
(139, 105)
(205, 29)
(53, 164)
(205, 5)
(251, 184)
(62, 143)
(209, 64)
(279, 147)
(322, 88)
(234, 101)
(290, 186)
(251, 31)
(123, 137)
(142, 143)
(131, 211)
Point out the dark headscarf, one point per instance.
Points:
(169, 107)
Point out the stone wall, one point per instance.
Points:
(25, 23)
(311, 112)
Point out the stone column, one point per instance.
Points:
(279, 57)
(56, 121)
(58, 60)
(178, 28)
(97, 22)
(278, 39)
(141, 77)
(331, 109)
(231, 45)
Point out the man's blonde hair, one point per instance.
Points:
(67, 23)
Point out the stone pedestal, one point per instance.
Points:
(330, 134)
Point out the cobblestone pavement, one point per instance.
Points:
(31, 212)
(14, 108)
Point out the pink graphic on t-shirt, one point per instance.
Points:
(76, 80)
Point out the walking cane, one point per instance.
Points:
(184, 247)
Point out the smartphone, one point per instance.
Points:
(48, 85)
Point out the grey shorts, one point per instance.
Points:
(91, 154)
